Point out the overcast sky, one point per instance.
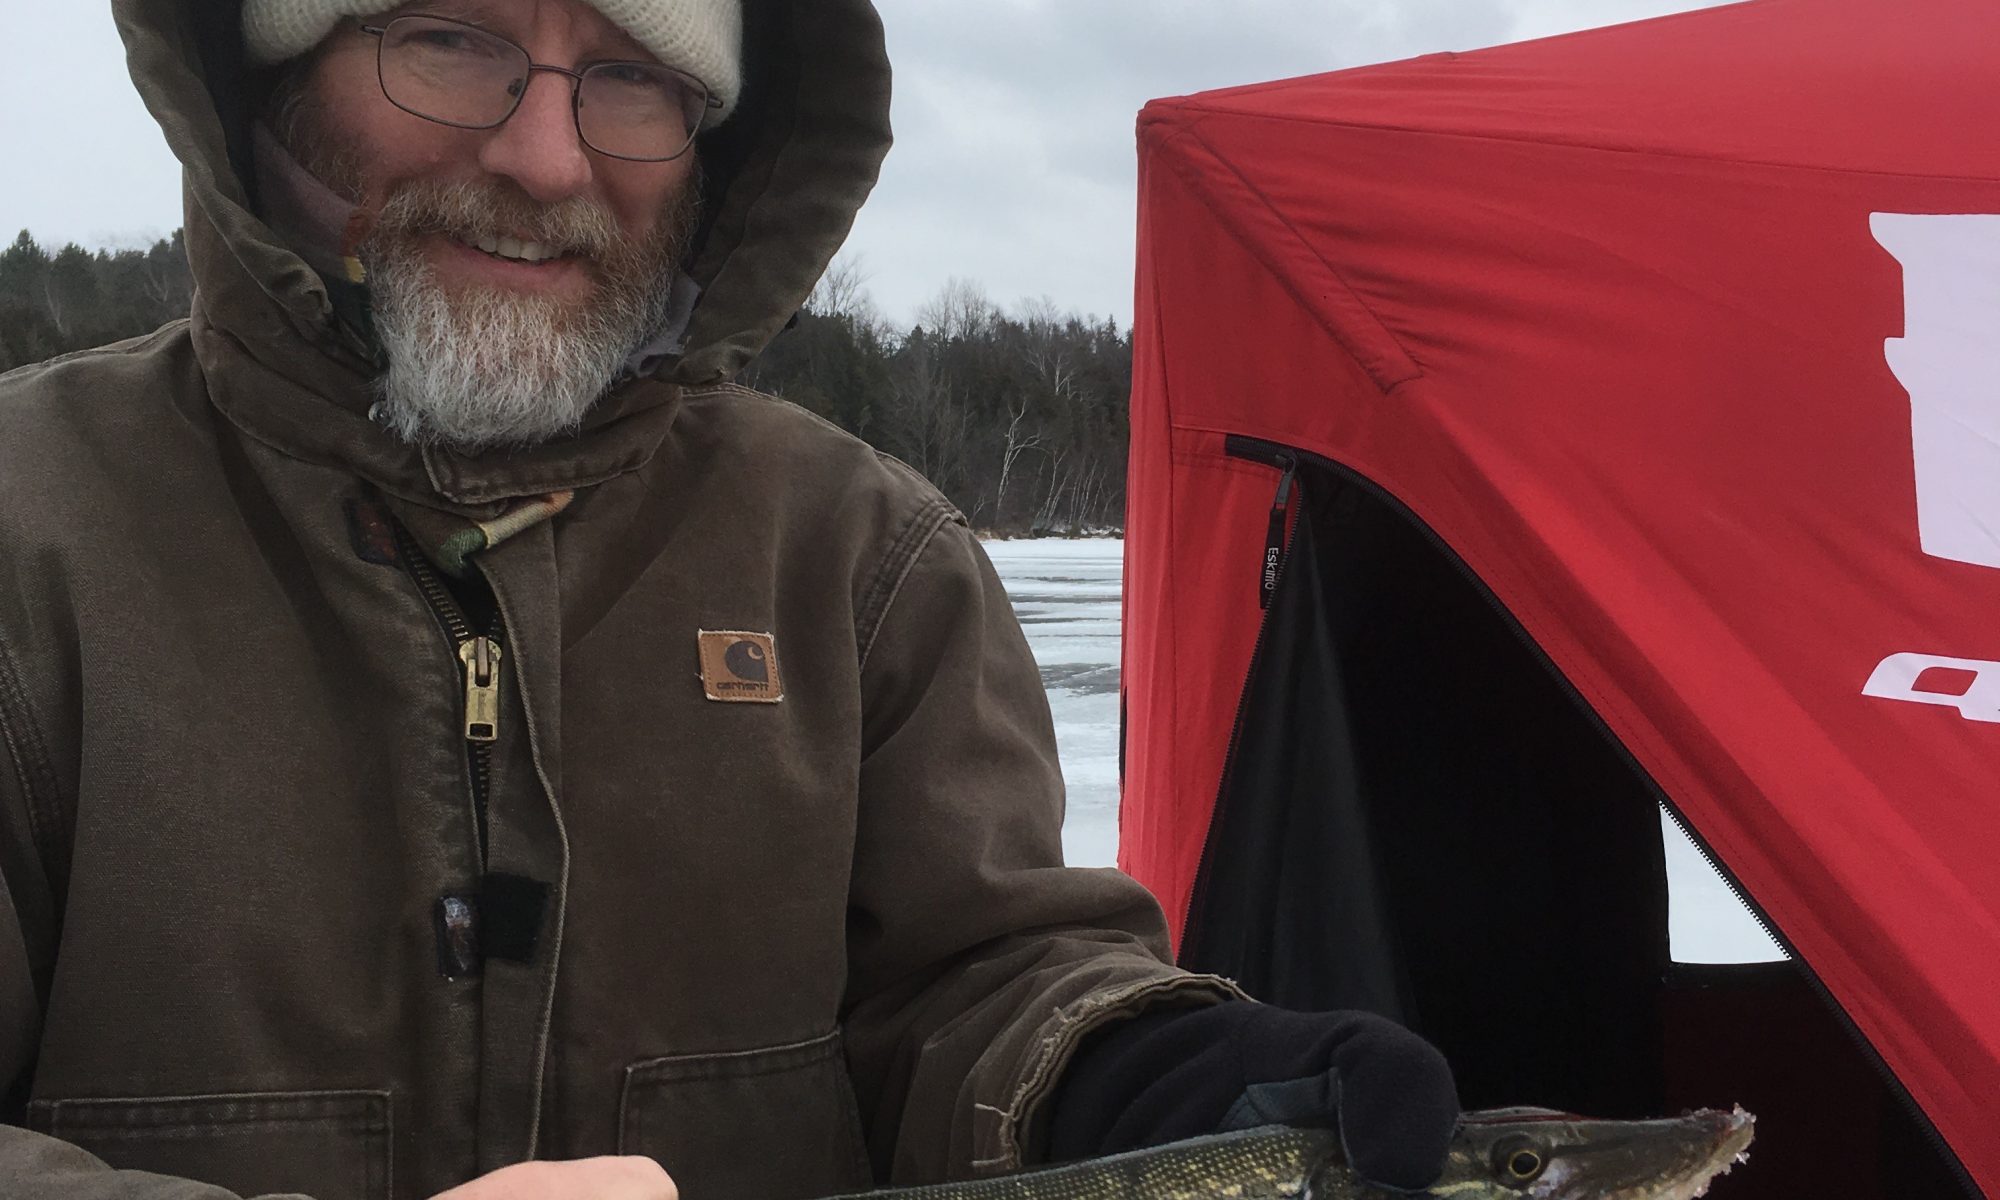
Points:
(1014, 161)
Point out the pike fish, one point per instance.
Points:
(1498, 1154)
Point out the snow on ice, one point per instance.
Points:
(1066, 593)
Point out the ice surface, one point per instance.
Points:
(1066, 593)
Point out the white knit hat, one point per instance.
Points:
(702, 37)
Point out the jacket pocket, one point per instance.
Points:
(329, 1145)
(779, 1123)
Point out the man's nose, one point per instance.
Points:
(538, 148)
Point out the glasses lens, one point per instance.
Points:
(639, 110)
(450, 72)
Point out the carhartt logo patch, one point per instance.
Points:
(740, 668)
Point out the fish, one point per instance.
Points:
(1496, 1154)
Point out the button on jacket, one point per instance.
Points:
(730, 835)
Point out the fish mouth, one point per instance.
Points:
(1732, 1132)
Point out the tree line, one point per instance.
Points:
(73, 299)
(1018, 416)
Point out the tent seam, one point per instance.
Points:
(1387, 377)
(1417, 131)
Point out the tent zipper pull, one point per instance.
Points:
(1274, 540)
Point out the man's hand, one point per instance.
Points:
(630, 1177)
(1166, 1076)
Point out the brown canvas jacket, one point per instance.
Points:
(787, 944)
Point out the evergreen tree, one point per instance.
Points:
(52, 304)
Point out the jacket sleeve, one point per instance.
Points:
(34, 1167)
(977, 961)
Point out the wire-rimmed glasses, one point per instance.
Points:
(464, 76)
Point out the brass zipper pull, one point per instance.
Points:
(481, 657)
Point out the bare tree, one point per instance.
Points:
(164, 277)
(1017, 440)
(842, 291)
(69, 288)
(923, 421)
(959, 312)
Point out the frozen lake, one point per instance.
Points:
(1067, 593)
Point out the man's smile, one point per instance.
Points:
(510, 264)
(514, 248)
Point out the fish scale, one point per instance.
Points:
(1266, 1165)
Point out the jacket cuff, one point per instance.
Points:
(1021, 1134)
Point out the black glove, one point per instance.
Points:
(1165, 1076)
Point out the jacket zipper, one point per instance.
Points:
(479, 656)
(1290, 458)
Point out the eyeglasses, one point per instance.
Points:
(460, 75)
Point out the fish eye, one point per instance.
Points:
(1517, 1162)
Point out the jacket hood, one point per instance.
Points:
(783, 180)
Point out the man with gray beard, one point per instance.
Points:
(455, 741)
(487, 362)
(492, 367)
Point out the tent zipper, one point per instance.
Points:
(479, 656)
(1274, 538)
(1277, 552)
(1291, 458)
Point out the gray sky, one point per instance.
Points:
(1014, 162)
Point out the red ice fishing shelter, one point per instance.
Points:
(1525, 438)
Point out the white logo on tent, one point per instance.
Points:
(1949, 359)
(1974, 685)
